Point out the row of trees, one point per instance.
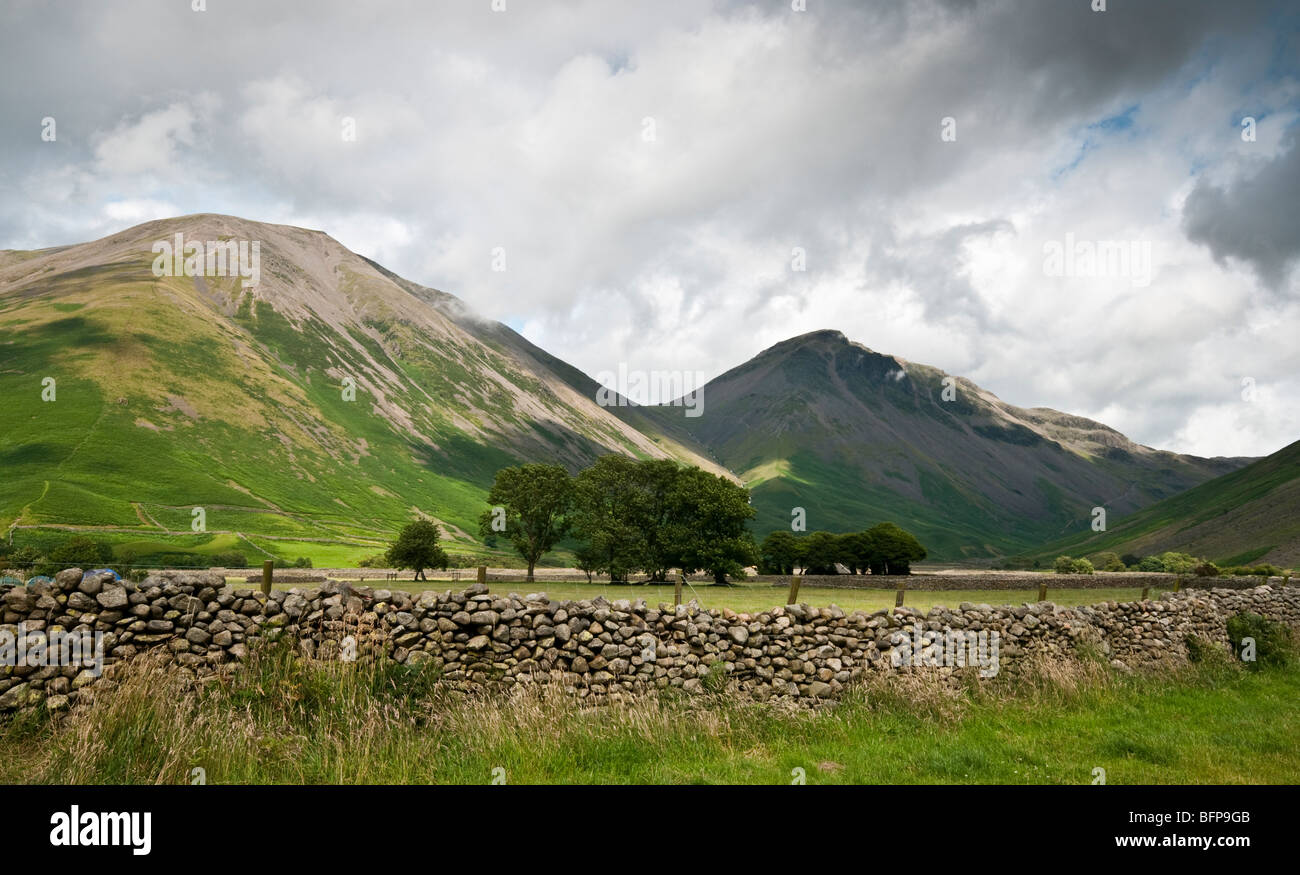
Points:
(83, 552)
(650, 516)
(1169, 562)
(882, 549)
(629, 515)
(74, 550)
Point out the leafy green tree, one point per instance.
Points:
(779, 552)
(417, 548)
(801, 555)
(1064, 565)
(707, 524)
(652, 514)
(23, 559)
(605, 518)
(1178, 563)
(893, 549)
(821, 553)
(534, 502)
(230, 560)
(1109, 562)
(856, 551)
(77, 552)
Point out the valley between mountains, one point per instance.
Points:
(172, 393)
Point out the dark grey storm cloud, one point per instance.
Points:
(1253, 218)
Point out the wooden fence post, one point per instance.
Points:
(1146, 591)
(267, 565)
(677, 590)
(1178, 584)
(1042, 592)
(482, 574)
(898, 596)
(794, 590)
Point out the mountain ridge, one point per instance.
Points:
(235, 396)
(810, 420)
(236, 392)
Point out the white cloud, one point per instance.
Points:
(773, 129)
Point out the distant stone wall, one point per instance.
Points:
(1012, 581)
(594, 649)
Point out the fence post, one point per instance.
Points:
(1178, 584)
(794, 590)
(1042, 592)
(1146, 591)
(267, 565)
(898, 596)
(482, 574)
(677, 590)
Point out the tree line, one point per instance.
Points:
(882, 549)
(649, 516)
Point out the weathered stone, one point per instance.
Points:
(112, 597)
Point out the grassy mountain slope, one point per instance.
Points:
(1248, 516)
(855, 437)
(180, 392)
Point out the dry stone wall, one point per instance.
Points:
(1017, 581)
(594, 649)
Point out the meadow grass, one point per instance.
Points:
(753, 598)
(284, 720)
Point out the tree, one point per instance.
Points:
(1109, 562)
(23, 559)
(417, 548)
(892, 549)
(1067, 565)
(707, 525)
(856, 550)
(1178, 563)
(604, 518)
(531, 503)
(821, 553)
(779, 553)
(77, 551)
(652, 512)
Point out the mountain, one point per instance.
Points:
(856, 437)
(177, 392)
(1249, 516)
(315, 407)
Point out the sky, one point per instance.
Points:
(677, 185)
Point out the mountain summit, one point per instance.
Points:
(329, 400)
(854, 436)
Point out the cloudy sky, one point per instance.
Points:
(650, 170)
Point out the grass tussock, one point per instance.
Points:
(280, 719)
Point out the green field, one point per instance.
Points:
(332, 723)
(755, 598)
